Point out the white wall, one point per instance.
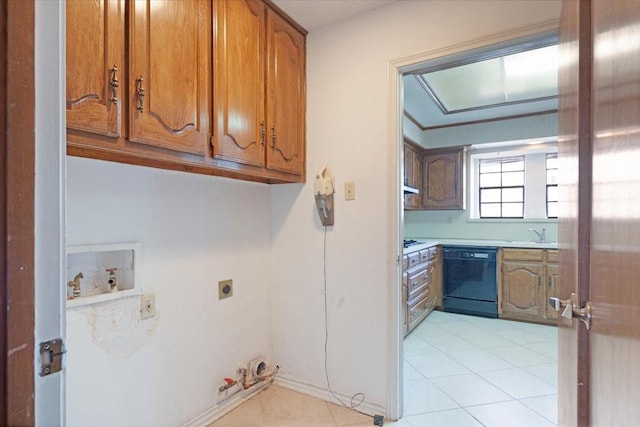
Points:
(195, 230)
(347, 129)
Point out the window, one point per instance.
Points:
(502, 187)
(552, 185)
(514, 181)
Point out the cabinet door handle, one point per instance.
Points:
(273, 137)
(263, 134)
(140, 93)
(549, 282)
(115, 84)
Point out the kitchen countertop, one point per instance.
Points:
(427, 243)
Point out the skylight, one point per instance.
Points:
(519, 77)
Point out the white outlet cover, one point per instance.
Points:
(148, 305)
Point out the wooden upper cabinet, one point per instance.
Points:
(285, 96)
(95, 65)
(170, 73)
(412, 175)
(443, 179)
(239, 88)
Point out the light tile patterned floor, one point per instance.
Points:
(459, 371)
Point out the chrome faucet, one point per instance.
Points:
(541, 235)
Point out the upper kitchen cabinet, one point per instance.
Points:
(95, 63)
(169, 74)
(210, 87)
(443, 178)
(259, 88)
(285, 96)
(412, 176)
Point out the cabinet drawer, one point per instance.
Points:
(523, 254)
(427, 254)
(552, 255)
(418, 311)
(416, 280)
(413, 259)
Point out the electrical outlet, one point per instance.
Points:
(148, 305)
(349, 190)
(225, 289)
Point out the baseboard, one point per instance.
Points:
(367, 406)
(225, 406)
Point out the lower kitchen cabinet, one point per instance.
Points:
(528, 277)
(420, 285)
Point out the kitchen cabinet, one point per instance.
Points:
(420, 287)
(166, 78)
(528, 279)
(412, 175)
(259, 88)
(95, 63)
(169, 74)
(443, 179)
(210, 87)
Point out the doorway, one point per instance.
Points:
(438, 60)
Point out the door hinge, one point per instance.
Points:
(51, 353)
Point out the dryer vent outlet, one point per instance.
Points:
(258, 367)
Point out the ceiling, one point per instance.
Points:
(313, 14)
(462, 82)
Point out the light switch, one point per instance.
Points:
(349, 190)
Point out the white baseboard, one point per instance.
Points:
(225, 406)
(367, 406)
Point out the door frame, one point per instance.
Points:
(32, 198)
(18, 210)
(395, 227)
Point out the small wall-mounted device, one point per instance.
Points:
(324, 189)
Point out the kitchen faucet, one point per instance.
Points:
(541, 235)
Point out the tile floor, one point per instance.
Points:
(458, 371)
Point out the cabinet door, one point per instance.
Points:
(95, 63)
(411, 176)
(552, 286)
(169, 87)
(522, 290)
(239, 87)
(285, 96)
(443, 180)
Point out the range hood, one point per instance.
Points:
(410, 190)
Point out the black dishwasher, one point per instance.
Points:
(469, 280)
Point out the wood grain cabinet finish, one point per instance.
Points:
(95, 67)
(443, 179)
(421, 285)
(239, 85)
(527, 281)
(285, 96)
(210, 87)
(259, 87)
(412, 175)
(169, 74)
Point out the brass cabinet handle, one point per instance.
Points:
(263, 134)
(115, 84)
(140, 93)
(273, 137)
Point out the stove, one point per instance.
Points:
(409, 242)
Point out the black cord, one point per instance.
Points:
(360, 396)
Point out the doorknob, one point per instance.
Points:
(584, 314)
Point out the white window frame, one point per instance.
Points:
(535, 178)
